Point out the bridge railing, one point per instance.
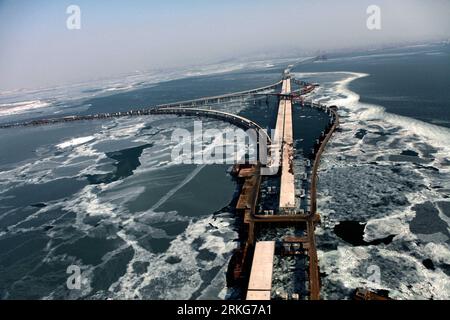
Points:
(193, 102)
(229, 117)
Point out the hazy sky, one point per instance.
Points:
(121, 36)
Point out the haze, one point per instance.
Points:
(37, 50)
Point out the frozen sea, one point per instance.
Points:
(107, 196)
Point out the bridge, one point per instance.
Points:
(220, 98)
(234, 119)
(281, 152)
(282, 147)
(288, 212)
(284, 135)
(148, 110)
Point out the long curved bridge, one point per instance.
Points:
(220, 98)
(148, 110)
(237, 120)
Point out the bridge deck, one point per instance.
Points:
(287, 185)
(260, 283)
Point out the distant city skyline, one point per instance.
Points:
(37, 49)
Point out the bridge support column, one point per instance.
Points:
(251, 233)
